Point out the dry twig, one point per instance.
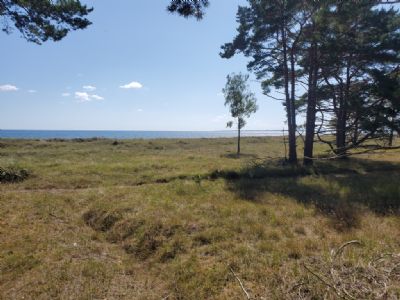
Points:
(241, 284)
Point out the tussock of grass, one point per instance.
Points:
(139, 236)
(101, 220)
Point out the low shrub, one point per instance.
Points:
(13, 174)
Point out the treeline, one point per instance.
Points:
(335, 61)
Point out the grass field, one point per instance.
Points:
(187, 219)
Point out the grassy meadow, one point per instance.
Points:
(187, 219)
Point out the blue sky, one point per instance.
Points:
(173, 63)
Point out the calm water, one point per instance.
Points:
(72, 134)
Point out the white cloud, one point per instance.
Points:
(132, 85)
(32, 91)
(82, 96)
(140, 110)
(90, 88)
(8, 88)
(96, 97)
(85, 97)
(65, 94)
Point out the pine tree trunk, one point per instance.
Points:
(293, 156)
(342, 117)
(238, 141)
(341, 135)
(291, 113)
(391, 135)
(341, 129)
(311, 107)
(356, 134)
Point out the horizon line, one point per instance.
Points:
(129, 130)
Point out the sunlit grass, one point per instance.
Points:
(170, 218)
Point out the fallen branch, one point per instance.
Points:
(325, 282)
(241, 284)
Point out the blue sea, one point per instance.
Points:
(84, 134)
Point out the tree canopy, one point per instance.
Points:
(42, 20)
(239, 98)
(241, 101)
(188, 8)
(339, 55)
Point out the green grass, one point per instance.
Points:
(171, 218)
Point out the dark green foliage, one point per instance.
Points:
(41, 20)
(188, 8)
(335, 51)
(269, 33)
(358, 46)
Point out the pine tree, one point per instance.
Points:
(269, 32)
(41, 20)
(359, 41)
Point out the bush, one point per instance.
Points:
(9, 175)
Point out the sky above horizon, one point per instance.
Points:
(137, 67)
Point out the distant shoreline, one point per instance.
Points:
(110, 134)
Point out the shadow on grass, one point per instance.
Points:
(339, 189)
(242, 155)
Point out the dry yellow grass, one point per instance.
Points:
(169, 219)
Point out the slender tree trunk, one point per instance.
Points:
(311, 106)
(291, 114)
(356, 134)
(391, 135)
(292, 106)
(341, 133)
(238, 141)
(342, 118)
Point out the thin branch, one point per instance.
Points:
(241, 284)
(320, 278)
(279, 99)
